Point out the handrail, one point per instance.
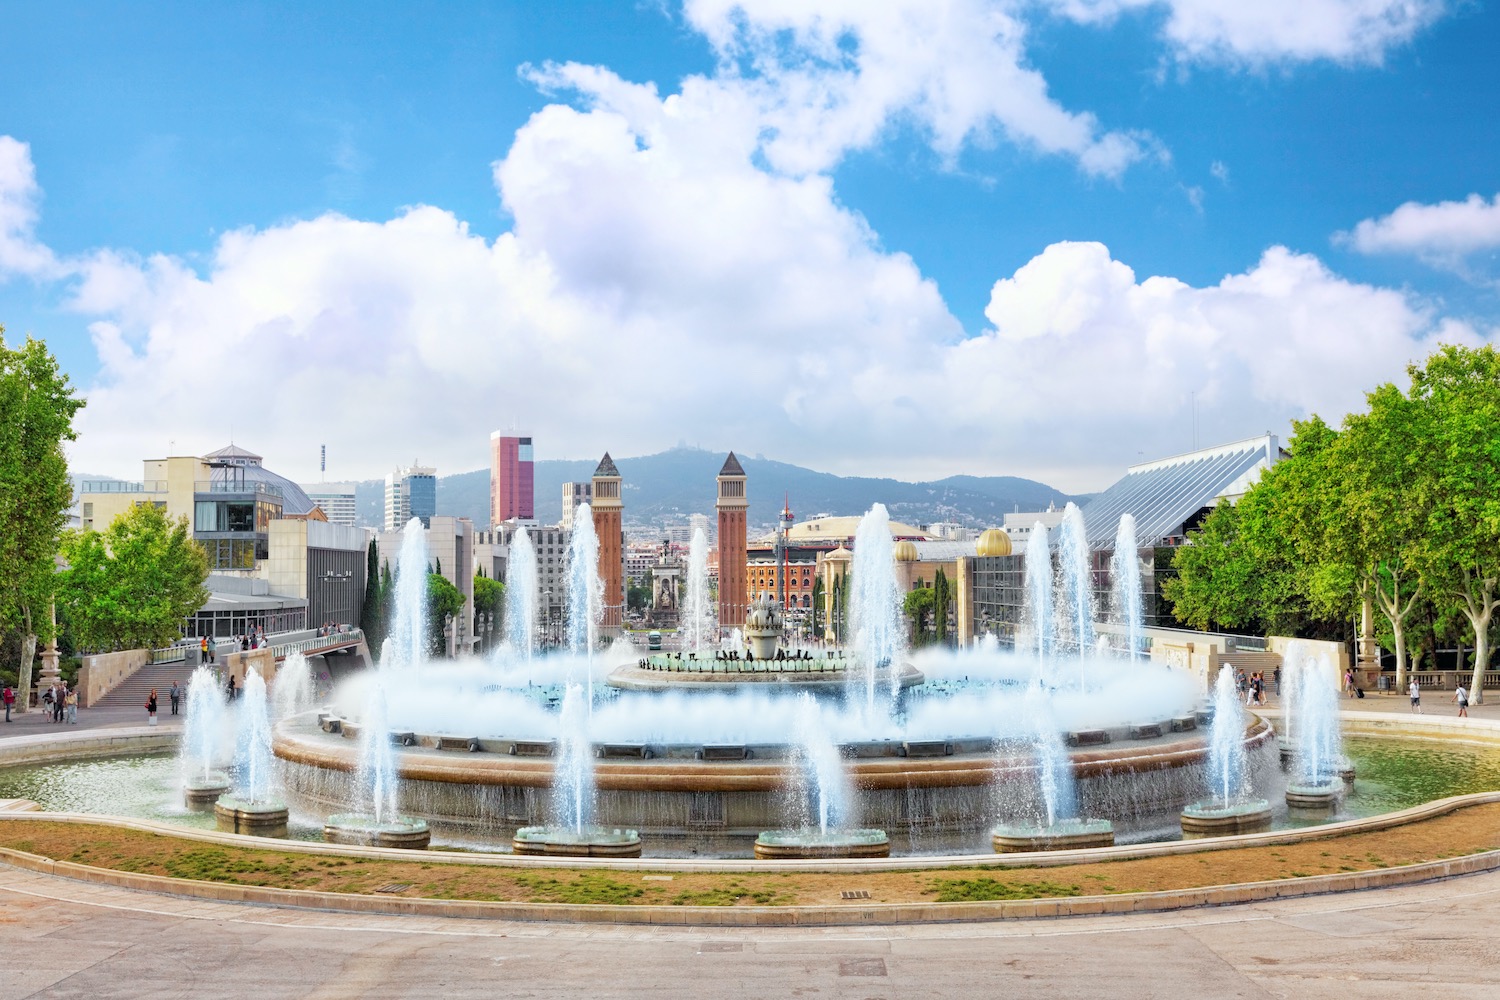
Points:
(236, 486)
(330, 641)
(112, 486)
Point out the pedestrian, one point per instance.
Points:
(47, 697)
(1415, 691)
(1349, 682)
(58, 701)
(175, 693)
(212, 650)
(1462, 697)
(231, 688)
(151, 708)
(1276, 676)
(9, 697)
(72, 705)
(203, 650)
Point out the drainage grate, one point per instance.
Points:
(856, 893)
(657, 878)
(394, 887)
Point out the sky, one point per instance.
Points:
(1046, 238)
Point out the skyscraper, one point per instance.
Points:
(574, 494)
(410, 492)
(512, 479)
(732, 506)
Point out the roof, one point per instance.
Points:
(232, 452)
(943, 550)
(1162, 495)
(838, 529)
(294, 499)
(606, 468)
(732, 467)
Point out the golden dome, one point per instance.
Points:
(994, 542)
(906, 551)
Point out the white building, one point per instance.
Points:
(336, 500)
(410, 492)
(574, 494)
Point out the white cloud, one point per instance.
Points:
(1440, 234)
(20, 253)
(830, 77)
(1219, 171)
(1254, 32)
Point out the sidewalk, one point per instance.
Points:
(1434, 703)
(38, 722)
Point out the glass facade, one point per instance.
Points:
(421, 492)
(225, 624)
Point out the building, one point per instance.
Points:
(512, 479)
(1020, 524)
(450, 551)
(607, 508)
(639, 558)
(732, 505)
(574, 494)
(700, 522)
(335, 500)
(410, 492)
(551, 545)
(1166, 498)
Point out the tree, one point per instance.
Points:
(133, 586)
(489, 599)
(918, 605)
(443, 599)
(37, 407)
(941, 595)
(372, 611)
(817, 608)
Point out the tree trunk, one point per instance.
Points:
(23, 682)
(1398, 636)
(1481, 653)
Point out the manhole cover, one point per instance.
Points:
(862, 967)
(394, 887)
(856, 893)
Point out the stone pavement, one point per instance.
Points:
(39, 723)
(60, 938)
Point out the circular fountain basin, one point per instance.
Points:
(365, 830)
(204, 790)
(807, 843)
(589, 842)
(1323, 796)
(1064, 835)
(254, 817)
(1214, 818)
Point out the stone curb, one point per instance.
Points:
(48, 748)
(766, 916)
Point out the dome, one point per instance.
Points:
(839, 554)
(906, 551)
(994, 542)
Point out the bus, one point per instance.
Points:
(653, 640)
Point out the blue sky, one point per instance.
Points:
(823, 245)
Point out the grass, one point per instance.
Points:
(975, 890)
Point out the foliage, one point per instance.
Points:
(443, 599)
(942, 594)
(372, 611)
(489, 599)
(132, 586)
(917, 606)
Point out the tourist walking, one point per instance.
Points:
(231, 688)
(175, 693)
(9, 697)
(1462, 698)
(151, 708)
(72, 706)
(58, 701)
(1276, 676)
(1414, 690)
(1349, 682)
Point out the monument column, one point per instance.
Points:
(732, 506)
(607, 508)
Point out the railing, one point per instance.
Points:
(332, 639)
(1446, 680)
(103, 486)
(170, 654)
(231, 486)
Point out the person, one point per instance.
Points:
(47, 697)
(72, 705)
(175, 693)
(1415, 691)
(58, 702)
(9, 697)
(231, 687)
(1462, 697)
(203, 650)
(1276, 677)
(151, 708)
(1349, 682)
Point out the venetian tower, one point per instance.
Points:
(607, 508)
(732, 505)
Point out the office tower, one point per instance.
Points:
(512, 479)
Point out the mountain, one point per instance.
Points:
(667, 487)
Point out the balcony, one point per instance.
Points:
(110, 486)
(239, 488)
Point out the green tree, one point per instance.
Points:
(443, 599)
(372, 611)
(37, 406)
(918, 606)
(489, 599)
(941, 595)
(134, 585)
(818, 595)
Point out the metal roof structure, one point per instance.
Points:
(1162, 495)
(235, 465)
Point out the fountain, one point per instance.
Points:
(202, 733)
(292, 690)
(700, 631)
(1318, 757)
(823, 797)
(572, 832)
(1126, 604)
(521, 598)
(1059, 827)
(1038, 609)
(1075, 593)
(252, 808)
(875, 603)
(376, 775)
(1229, 809)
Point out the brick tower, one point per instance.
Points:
(607, 507)
(732, 505)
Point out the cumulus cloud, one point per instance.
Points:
(1256, 32)
(1442, 234)
(20, 253)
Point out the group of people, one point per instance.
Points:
(61, 701)
(329, 628)
(1253, 686)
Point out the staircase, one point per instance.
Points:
(134, 690)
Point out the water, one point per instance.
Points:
(573, 780)
(585, 588)
(1126, 606)
(521, 597)
(406, 643)
(1227, 778)
(823, 777)
(1038, 612)
(376, 776)
(1059, 791)
(1319, 745)
(203, 726)
(255, 772)
(700, 630)
(1075, 597)
(292, 691)
(875, 601)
